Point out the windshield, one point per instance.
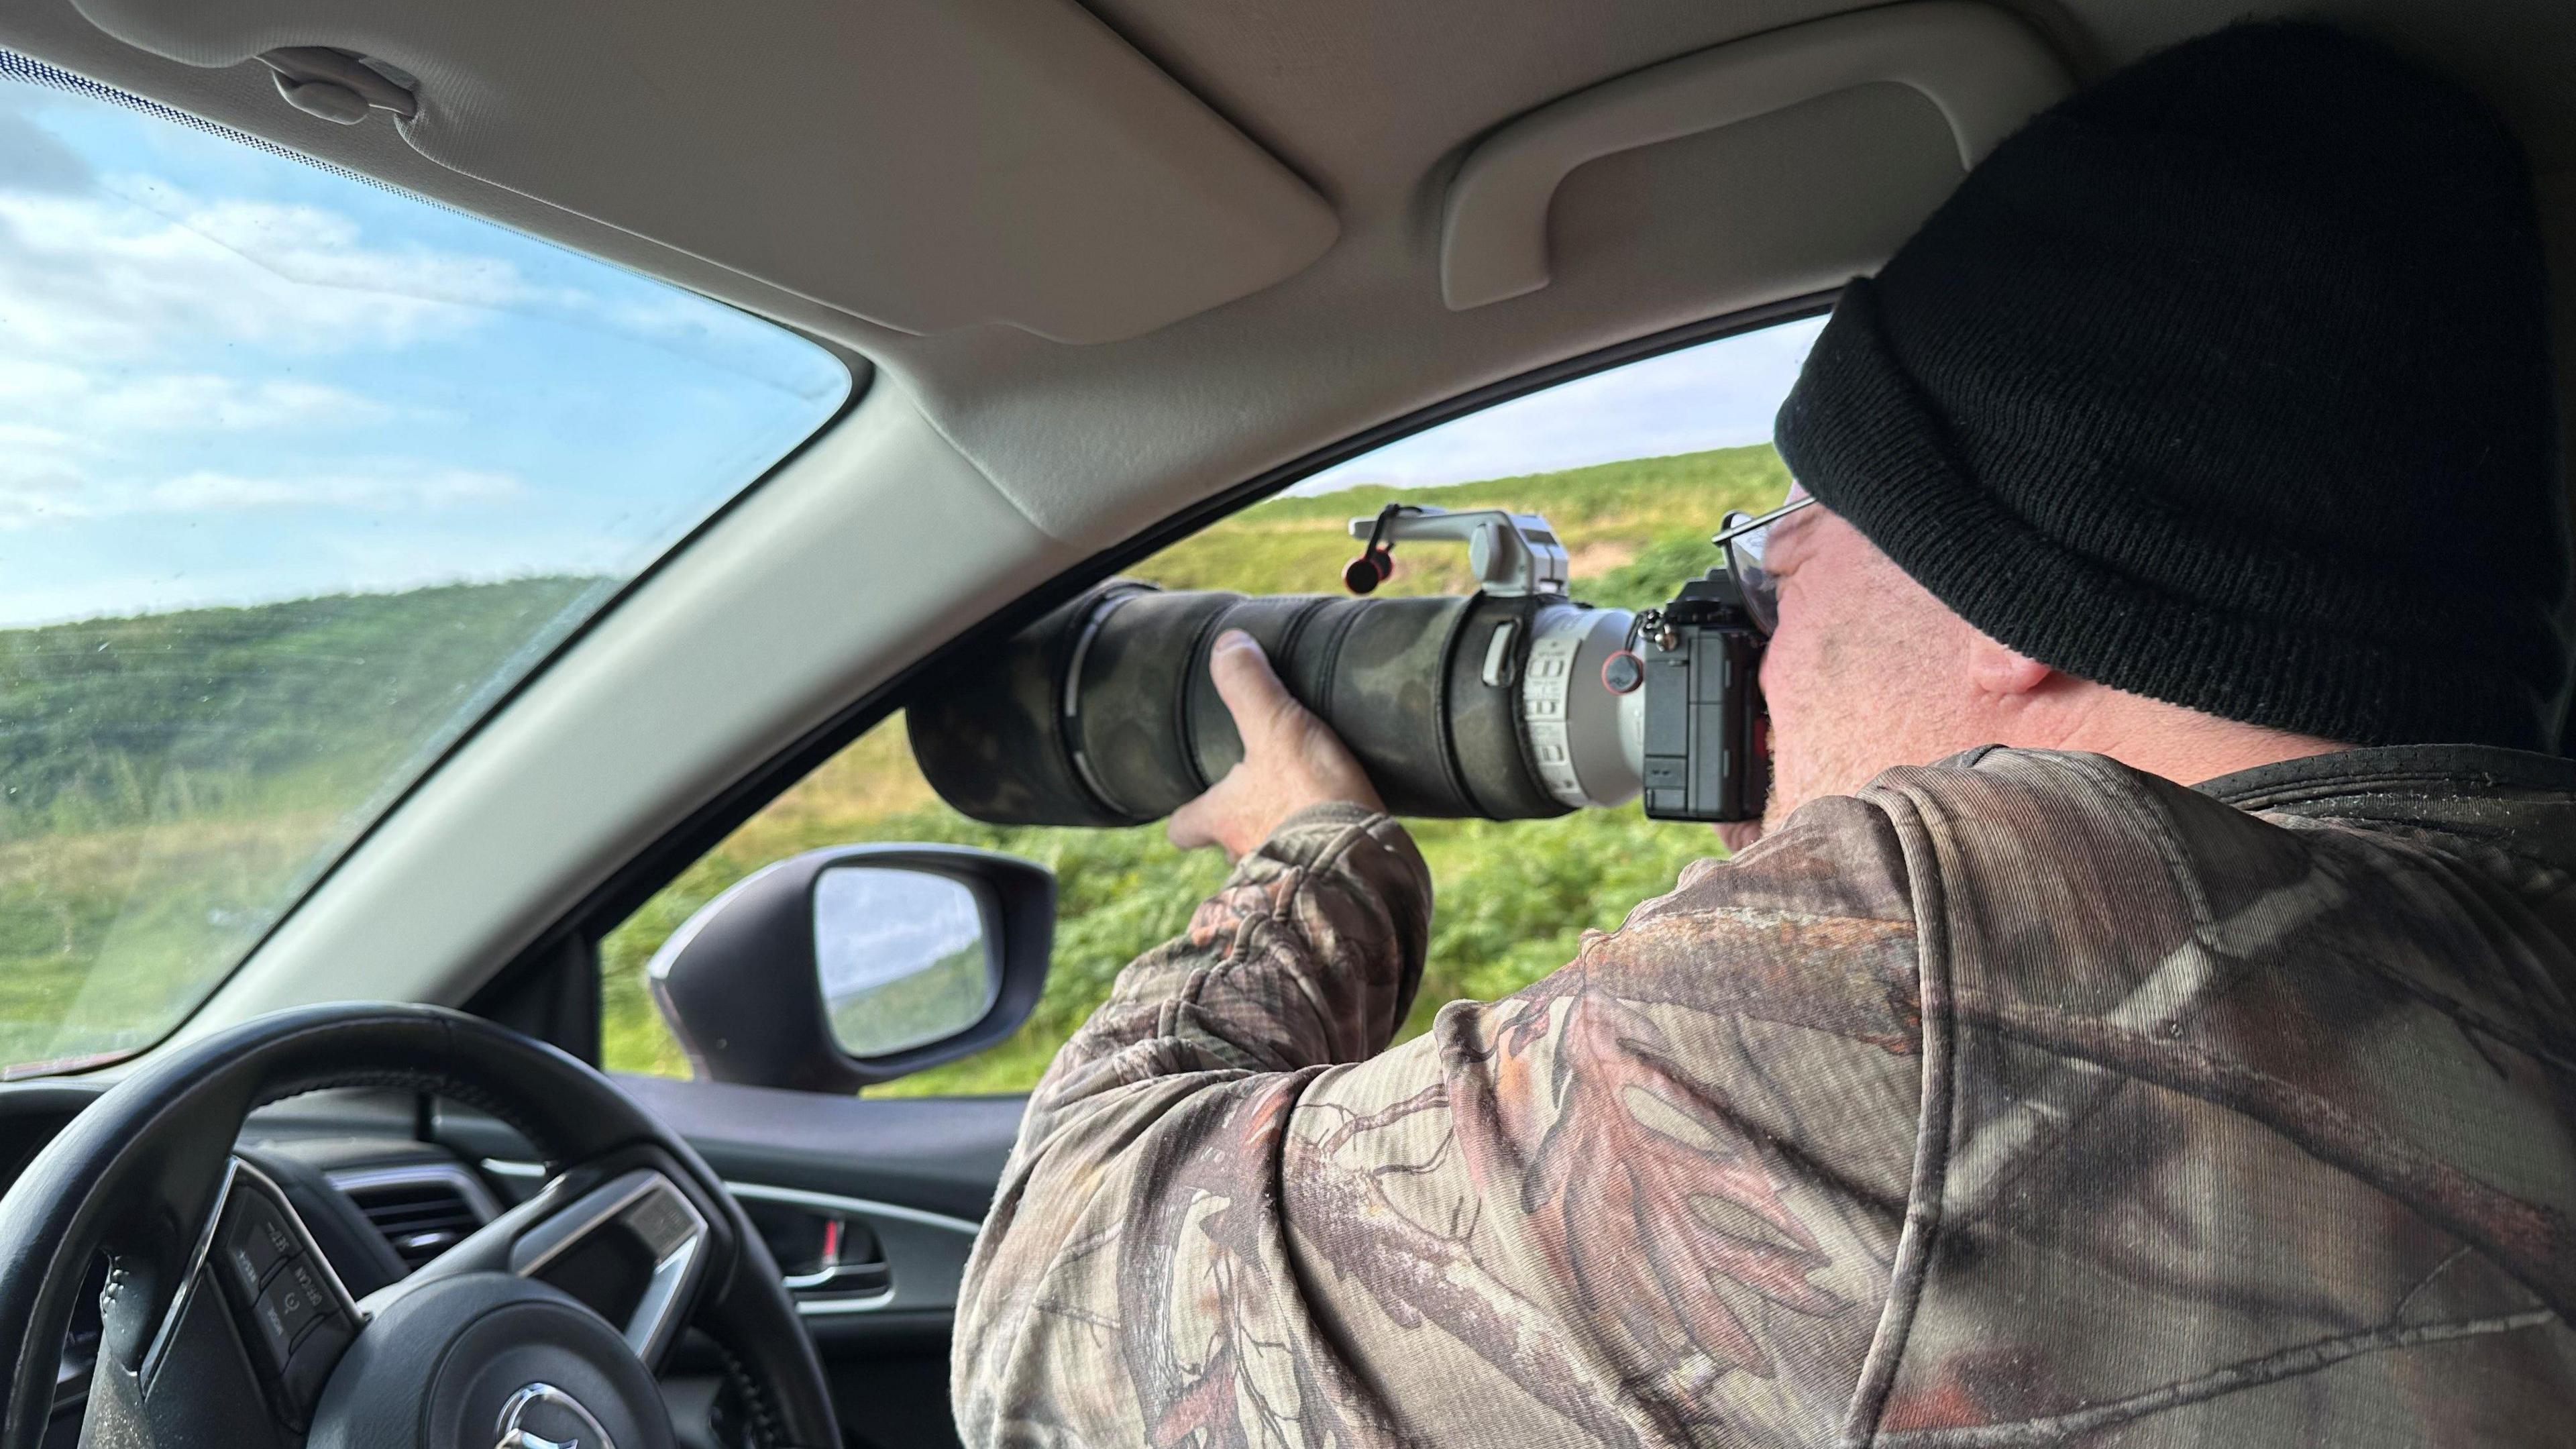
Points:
(298, 476)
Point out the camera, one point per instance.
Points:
(1511, 702)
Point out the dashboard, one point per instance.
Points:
(387, 1181)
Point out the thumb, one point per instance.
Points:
(1250, 688)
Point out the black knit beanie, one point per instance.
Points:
(2226, 382)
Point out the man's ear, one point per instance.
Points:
(1999, 671)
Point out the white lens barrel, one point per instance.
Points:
(1588, 744)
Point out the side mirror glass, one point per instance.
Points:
(903, 956)
(856, 964)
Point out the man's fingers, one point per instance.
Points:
(1290, 758)
(1204, 820)
(1249, 686)
(1188, 827)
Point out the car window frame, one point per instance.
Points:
(571, 942)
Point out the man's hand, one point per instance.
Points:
(1291, 759)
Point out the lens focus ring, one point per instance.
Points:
(1576, 728)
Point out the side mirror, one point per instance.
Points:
(840, 968)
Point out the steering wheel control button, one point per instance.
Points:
(293, 1299)
(256, 1243)
(316, 1354)
(663, 1220)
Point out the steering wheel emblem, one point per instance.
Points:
(542, 1416)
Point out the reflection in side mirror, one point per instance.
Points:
(856, 964)
(903, 955)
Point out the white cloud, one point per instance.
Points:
(138, 268)
(17, 437)
(54, 494)
(199, 402)
(37, 488)
(96, 277)
(321, 248)
(95, 411)
(27, 383)
(426, 289)
(430, 488)
(76, 446)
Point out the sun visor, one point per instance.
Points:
(923, 164)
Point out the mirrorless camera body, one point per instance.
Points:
(1511, 702)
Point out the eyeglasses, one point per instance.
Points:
(1744, 536)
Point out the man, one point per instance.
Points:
(2016, 1096)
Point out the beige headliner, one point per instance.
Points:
(1006, 458)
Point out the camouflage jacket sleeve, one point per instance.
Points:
(1651, 1199)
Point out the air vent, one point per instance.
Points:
(421, 1211)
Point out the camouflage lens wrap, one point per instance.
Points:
(1104, 713)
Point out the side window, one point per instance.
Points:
(1634, 466)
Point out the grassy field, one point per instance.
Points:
(1513, 897)
(170, 783)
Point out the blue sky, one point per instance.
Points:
(1716, 395)
(226, 376)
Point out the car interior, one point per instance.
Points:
(1099, 275)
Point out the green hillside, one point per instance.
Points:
(172, 781)
(121, 721)
(1634, 529)
(167, 781)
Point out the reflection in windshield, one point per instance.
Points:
(297, 476)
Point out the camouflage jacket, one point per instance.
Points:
(2021, 1099)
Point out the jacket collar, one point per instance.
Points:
(2514, 801)
(2421, 773)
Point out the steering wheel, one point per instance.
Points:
(223, 1324)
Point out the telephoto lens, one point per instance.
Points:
(1103, 712)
